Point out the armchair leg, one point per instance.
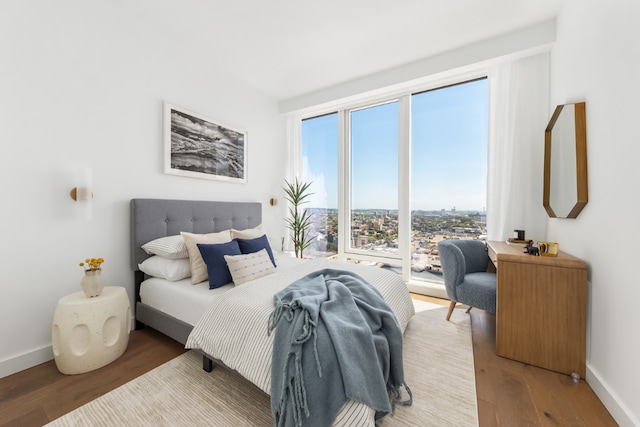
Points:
(452, 305)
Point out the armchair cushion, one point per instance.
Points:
(478, 290)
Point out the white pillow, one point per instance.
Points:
(244, 268)
(166, 268)
(249, 233)
(198, 267)
(172, 247)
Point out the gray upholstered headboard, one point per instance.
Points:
(154, 218)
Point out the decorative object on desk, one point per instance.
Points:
(92, 283)
(513, 241)
(548, 248)
(531, 250)
(299, 219)
(518, 235)
(198, 147)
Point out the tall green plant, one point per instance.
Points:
(299, 219)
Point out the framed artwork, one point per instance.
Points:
(198, 147)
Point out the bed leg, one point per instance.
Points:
(207, 364)
(138, 325)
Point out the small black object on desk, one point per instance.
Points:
(531, 250)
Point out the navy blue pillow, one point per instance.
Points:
(213, 256)
(249, 246)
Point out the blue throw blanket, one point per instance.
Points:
(336, 339)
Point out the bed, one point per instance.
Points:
(229, 324)
(155, 218)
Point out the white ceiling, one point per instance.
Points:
(287, 48)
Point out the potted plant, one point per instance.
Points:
(299, 219)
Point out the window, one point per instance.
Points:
(414, 170)
(449, 134)
(374, 179)
(320, 167)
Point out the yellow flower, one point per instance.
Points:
(92, 263)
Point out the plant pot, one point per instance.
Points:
(92, 283)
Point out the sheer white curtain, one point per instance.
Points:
(294, 146)
(518, 116)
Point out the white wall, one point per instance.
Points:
(82, 84)
(597, 59)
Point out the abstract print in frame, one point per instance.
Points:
(198, 147)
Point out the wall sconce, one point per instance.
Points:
(83, 191)
(273, 201)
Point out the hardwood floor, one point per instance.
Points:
(509, 393)
(41, 394)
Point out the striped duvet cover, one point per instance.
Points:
(234, 328)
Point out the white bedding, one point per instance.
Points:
(234, 328)
(186, 301)
(180, 299)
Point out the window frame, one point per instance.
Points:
(347, 251)
(343, 108)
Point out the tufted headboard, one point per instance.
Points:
(154, 218)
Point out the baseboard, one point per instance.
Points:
(25, 361)
(426, 288)
(618, 411)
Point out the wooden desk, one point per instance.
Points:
(541, 308)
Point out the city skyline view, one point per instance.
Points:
(376, 232)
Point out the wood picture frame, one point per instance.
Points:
(198, 147)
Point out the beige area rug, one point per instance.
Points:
(438, 368)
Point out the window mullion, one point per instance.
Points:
(404, 185)
(344, 174)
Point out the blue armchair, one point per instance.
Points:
(464, 267)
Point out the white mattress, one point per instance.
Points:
(185, 301)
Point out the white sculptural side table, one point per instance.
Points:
(89, 333)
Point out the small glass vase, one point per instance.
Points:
(92, 283)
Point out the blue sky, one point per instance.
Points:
(448, 152)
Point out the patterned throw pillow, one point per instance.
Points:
(172, 247)
(244, 268)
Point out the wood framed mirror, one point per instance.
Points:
(565, 162)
